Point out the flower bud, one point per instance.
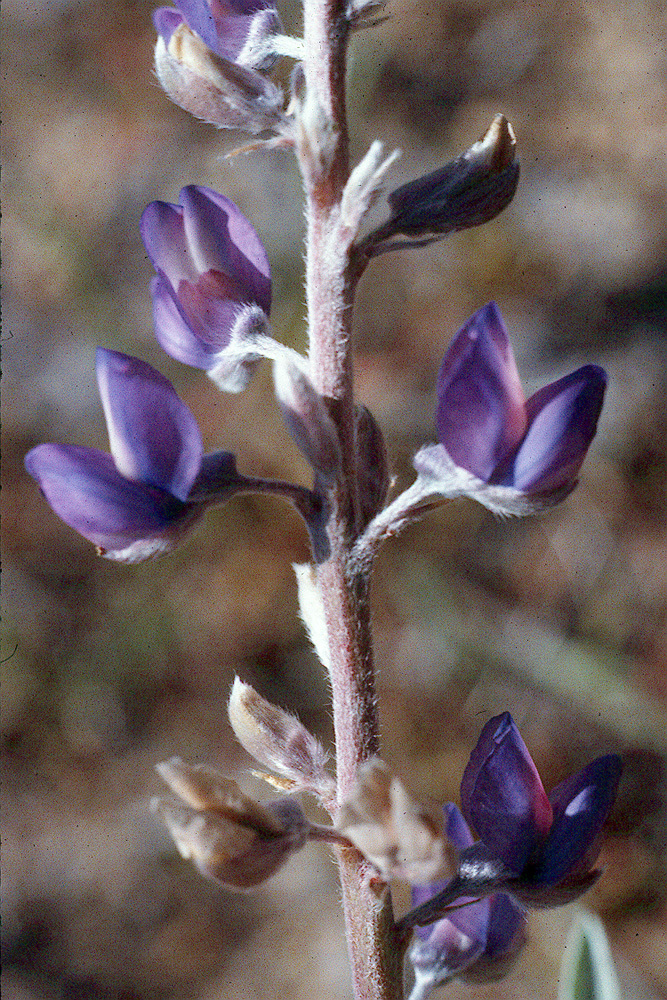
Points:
(230, 838)
(373, 476)
(306, 416)
(401, 837)
(209, 86)
(277, 739)
(468, 191)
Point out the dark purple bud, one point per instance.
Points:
(144, 497)
(466, 192)
(532, 448)
(502, 795)
(212, 296)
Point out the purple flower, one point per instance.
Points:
(539, 848)
(487, 426)
(207, 60)
(235, 31)
(142, 498)
(212, 294)
(479, 941)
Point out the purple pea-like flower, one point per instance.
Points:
(479, 941)
(489, 428)
(236, 31)
(515, 456)
(539, 848)
(212, 293)
(208, 60)
(141, 499)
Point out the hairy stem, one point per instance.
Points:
(330, 284)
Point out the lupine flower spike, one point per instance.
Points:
(212, 295)
(511, 454)
(539, 848)
(143, 498)
(479, 941)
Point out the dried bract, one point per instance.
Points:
(230, 837)
(400, 836)
(277, 739)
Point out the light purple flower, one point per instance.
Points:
(212, 294)
(487, 426)
(141, 499)
(539, 848)
(236, 31)
(207, 60)
(479, 941)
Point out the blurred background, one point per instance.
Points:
(562, 620)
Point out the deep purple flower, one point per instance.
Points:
(488, 428)
(479, 941)
(212, 294)
(233, 30)
(142, 498)
(541, 849)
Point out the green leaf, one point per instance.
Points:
(587, 970)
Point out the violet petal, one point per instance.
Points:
(85, 489)
(154, 437)
(480, 415)
(166, 20)
(502, 795)
(219, 237)
(173, 331)
(562, 420)
(581, 804)
(162, 230)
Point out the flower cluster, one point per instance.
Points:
(211, 306)
(538, 848)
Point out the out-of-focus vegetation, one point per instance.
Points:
(563, 620)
